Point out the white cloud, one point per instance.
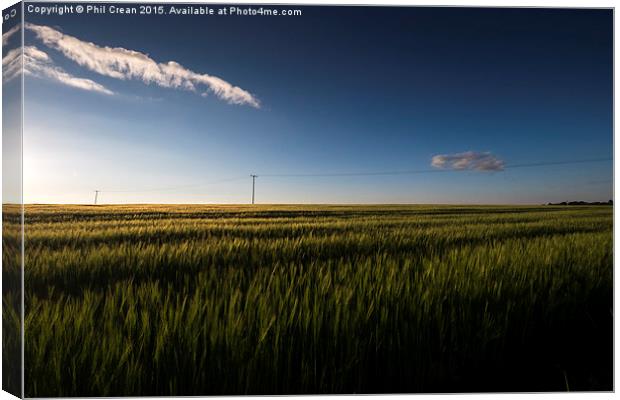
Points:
(11, 64)
(120, 63)
(469, 160)
(37, 63)
(7, 35)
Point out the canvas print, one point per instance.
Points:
(219, 199)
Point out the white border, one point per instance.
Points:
(461, 3)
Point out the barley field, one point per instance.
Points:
(189, 300)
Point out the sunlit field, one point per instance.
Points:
(189, 300)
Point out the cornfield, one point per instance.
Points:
(210, 300)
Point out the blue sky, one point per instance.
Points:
(334, 90)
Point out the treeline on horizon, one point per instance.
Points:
(583, 203)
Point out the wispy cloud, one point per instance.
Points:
(6, 36)
(37, 63)
(120, 63)
(11, 64)
(469, 160)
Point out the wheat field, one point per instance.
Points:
(208, 300)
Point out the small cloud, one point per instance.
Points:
(125, 64)
(469, 160)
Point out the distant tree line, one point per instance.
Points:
(583, 203)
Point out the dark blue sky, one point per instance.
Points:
(341, 89)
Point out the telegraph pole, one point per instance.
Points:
(253, 185)
(96, 195)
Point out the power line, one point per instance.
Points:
(549, 163)
(164, 189)
(425, 171)
(430, 171)
(345, 174)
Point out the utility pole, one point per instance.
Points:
(96, 195)
(253, 185)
